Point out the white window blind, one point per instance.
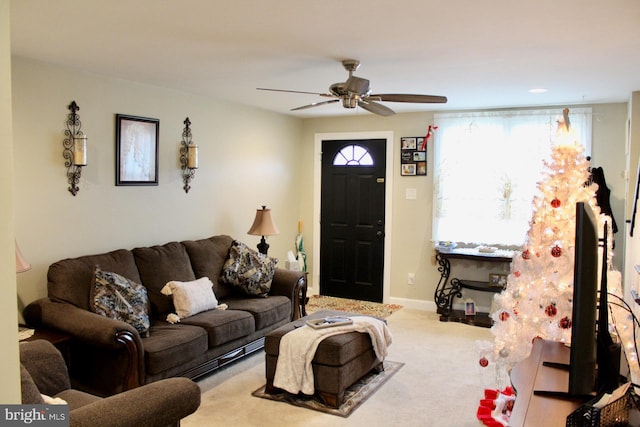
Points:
(487, 166)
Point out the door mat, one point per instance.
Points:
(354, 396)
(367, 308)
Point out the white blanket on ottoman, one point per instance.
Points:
(298, 347)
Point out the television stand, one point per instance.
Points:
(562, 394)
(532, 409)
(556, 365)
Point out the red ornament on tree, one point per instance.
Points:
(556, 251)
(551, 310)
(484, 362)
(565, 323)
(504, 316)
(556, 203)
(526, 254)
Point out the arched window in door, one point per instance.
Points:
(353, 155)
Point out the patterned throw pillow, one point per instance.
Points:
(117, 297)
(248, 270)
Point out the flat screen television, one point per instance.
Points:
(593, 366)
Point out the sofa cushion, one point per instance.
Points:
(248, 270)
(207, 259)
(266, 311)
(191, 298)
(172, 345)
(116, 297)
(70, 280)
(223, 326)
(157, 266)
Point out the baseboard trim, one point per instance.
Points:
(415, 304)
(423, 305)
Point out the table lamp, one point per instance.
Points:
(263, 225)
(21, 263)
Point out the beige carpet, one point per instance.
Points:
(440, 384)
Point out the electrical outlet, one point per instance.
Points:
(411, 279)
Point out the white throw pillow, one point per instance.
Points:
(48, 400)
(191, 298)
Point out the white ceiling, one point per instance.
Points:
(478, 53)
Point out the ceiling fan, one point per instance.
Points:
(355, 92)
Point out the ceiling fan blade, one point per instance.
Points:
(297, 91)
(315, 104)
(406, 97)
(357, 85)
(376, 108)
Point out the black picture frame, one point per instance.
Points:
(413, 156)
(137, 142)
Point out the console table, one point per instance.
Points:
(448, 289)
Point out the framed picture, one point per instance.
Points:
(136, 150)
(469, 307)
(408, 169)
(413, 156)
(497, 280)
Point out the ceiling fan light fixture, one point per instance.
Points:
(350, 102)
(355, 92)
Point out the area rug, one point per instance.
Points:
(354, 396)
(368, 308)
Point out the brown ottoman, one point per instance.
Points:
(340, 360)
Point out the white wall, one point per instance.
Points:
(248, 157)
(9, 360)
(411, 229)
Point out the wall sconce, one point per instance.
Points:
(188, 156)
(263, 225)
(75, 148)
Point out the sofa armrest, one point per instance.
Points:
(92, 330)
(289, 284)
(160, 403)
(45, 365)
(81, 324)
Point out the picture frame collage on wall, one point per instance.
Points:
(413, 156)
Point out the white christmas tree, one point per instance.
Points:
(537, 299)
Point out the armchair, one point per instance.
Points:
(161, 403)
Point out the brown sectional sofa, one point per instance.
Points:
(109, 356)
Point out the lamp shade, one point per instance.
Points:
(263, 224)
(21, 264)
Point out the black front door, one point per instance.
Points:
(352, 219)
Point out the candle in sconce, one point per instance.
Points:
(299, 226)
(80, 150)
(192, 156)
